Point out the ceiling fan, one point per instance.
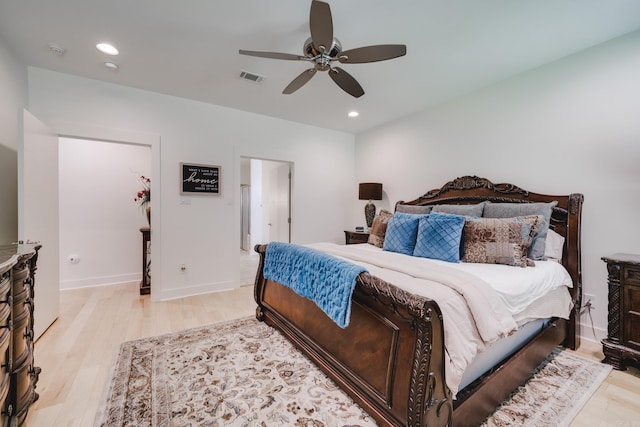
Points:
(322, 50)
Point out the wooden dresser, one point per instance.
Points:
(18, 375)
(622, 346)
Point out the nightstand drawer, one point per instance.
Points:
(354, 237)
(631, 275)
(631, 317)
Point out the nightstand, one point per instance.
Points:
(622, 346)
(352, 237)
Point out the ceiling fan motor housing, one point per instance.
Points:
(322, 60)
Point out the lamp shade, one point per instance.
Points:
(370, 191)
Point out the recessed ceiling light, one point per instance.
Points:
(353, 114)
(107, 48)
(111, 65)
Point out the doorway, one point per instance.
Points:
(265, 208)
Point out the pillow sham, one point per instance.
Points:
(508, 210)
(414, 209)
(500, 240)
(554, 245)
(401, 233)
(379, 228)
(467, 210)
(439, 237)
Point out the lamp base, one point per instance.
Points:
(369, 213)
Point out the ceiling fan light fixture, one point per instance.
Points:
(322, 49)
(107, 48)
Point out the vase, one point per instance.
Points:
(148, 212)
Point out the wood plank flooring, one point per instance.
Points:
(78, 350)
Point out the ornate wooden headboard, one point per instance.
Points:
(565, 220)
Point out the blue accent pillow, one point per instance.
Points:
(439, 237)
(401, 233)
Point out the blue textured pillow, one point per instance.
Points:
(439, 237)
(401, 233)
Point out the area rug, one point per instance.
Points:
(245, 373)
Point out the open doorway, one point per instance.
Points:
(265, 211)
(99, 218)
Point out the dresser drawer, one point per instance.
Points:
(631, 317)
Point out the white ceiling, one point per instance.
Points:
(189, 48)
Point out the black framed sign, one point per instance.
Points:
(200, 179)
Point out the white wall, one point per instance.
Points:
(13, 87)
(570, 126)
(99, 220)
(202, 232)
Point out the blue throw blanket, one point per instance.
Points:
(326, 280)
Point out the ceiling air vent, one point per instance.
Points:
(251, 77)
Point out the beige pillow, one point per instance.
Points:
(379, 228)
(500, 240)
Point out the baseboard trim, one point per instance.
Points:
(90, 282)
(190, 291)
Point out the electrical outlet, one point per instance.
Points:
(589, 299)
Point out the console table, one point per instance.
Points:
(622, 345)
(145, 283)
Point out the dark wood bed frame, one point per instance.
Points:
(390, 357)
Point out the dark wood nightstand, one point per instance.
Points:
(622, 346)
(352, 237)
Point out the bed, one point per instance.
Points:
(392, 358)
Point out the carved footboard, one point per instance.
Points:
(390, 357)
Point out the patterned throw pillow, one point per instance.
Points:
(510, 210)
(379, 228)
(401, 233)
(439, 237)
(500, 240)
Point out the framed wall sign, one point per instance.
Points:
(200, 179)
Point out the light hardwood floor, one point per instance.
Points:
(78, 350)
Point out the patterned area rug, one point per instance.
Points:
(244, 373)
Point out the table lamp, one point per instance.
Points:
(370, 191)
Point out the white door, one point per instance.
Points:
(276, 193)
(38, 213)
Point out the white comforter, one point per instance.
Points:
(480, 303)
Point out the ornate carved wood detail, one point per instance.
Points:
(473, 182)
(429, 397)
(613, 271)
(575, 202)
(614, 312)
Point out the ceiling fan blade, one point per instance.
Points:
(346, 82)
(375, 53)
(272, 55)
(321, 25)
(299, 81)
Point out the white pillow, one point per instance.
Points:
(553, 246)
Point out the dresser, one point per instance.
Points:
(18, 374)
(622, 345)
